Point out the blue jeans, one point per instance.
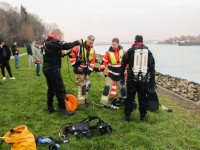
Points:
(16, 61)
(38, 69)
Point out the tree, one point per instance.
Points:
(26, 33)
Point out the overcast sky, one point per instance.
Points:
(105, 19)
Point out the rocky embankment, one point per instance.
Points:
(182, 87)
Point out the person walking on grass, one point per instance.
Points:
(29, 51)
(15, 54)
(5, 57)
(37, 57)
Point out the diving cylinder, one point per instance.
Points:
(137, 62)
(144, 62)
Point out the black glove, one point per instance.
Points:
(152, 88)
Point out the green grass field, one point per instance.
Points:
(23, 102)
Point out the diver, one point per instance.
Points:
(140, 77)
(51, 68)
(113, 59)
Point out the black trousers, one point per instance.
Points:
(6, 64)
(55, 87)
(141, 90)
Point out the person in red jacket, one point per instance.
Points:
(113, 59)
(82, 60)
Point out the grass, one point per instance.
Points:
(23, 102)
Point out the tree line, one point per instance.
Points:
(19, 25)
(183, 38)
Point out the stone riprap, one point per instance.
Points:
(182, 87)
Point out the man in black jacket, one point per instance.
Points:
(29, 51)
(5, 56)
(51, 68)
(140, 77)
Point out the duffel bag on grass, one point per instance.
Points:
(20, 139)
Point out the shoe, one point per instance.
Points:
(17, 68)
(4, 78)
(87, 103)
(12, 78)
(1, 83)
(51, 109)
(38, 75)
(127, 117)
(143, 120)
(65, 112)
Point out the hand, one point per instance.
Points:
(87, 77)
(47, 140)
(80, 41)
(0, 64)
(121, 82)
(152, 88)
(1, 46)
(80, 69)
(101, 74)
(67, 53)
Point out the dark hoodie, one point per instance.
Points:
(8, 53)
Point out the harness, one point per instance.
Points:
(84, 128)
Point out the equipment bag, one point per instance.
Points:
(20, 139)
(84, 128)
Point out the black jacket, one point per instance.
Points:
(29, 50)
(128, 58)
(13, 49)
(8, 53)
(52, 53)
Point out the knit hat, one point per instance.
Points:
(138, 38)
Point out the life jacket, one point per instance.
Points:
(20, 139)
(84, 52)
(112, 55)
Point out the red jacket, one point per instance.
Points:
(74, 56)
(113, 70)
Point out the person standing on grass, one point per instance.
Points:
(29, 51)
(51, 68)
(140, 77)
(113, 59)
(82, 60)
(37, 57)
(5, 57)
(15, 54)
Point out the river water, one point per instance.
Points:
(171, 59)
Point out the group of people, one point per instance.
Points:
(138, 60)
(5, 55)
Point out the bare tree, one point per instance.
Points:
(26, 33)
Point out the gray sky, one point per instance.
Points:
(105, 19)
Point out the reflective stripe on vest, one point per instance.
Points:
(91, 53)
(112, 56)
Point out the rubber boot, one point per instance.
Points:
(127, 117)
(51, 109)
(65, 112)
(142, 117)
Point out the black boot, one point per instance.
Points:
(87, 103)
(127, 117)
(65, 112)
(51, 109)
(142, 117)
